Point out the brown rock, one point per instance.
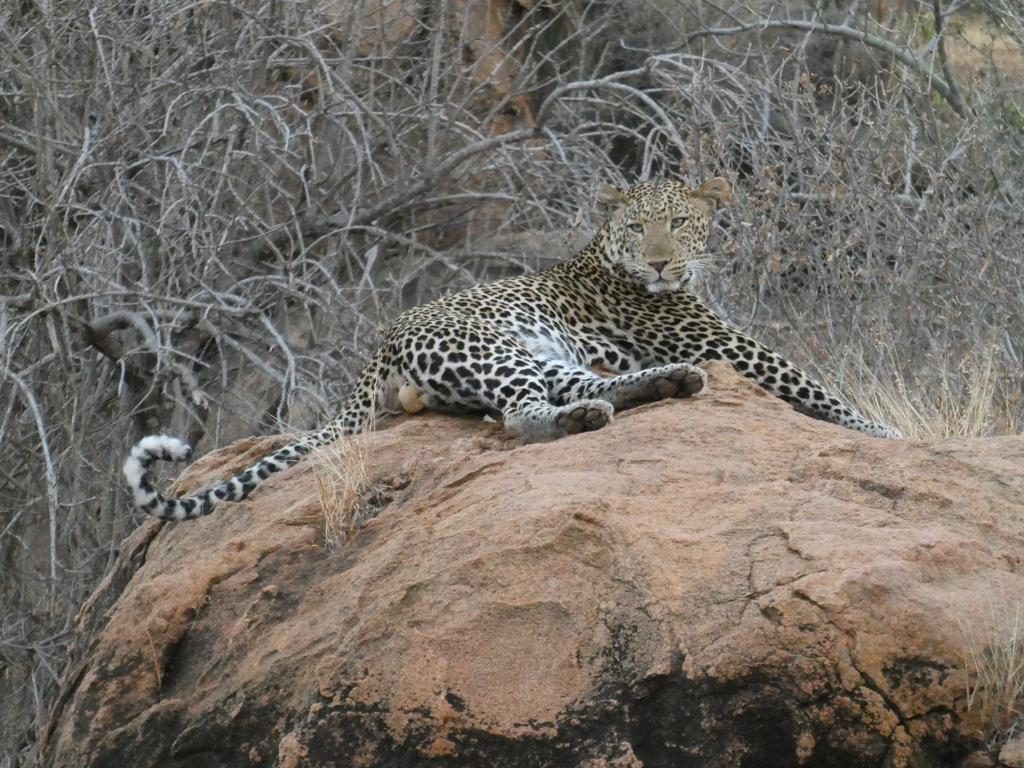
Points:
(714, 582)
(1012, 753)
(978, 760)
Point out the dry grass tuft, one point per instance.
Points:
(994, 674)
(965, 399)
(342, 479)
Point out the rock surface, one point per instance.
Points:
(1012, 753)
(713, 582)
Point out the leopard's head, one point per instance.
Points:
(657, 234)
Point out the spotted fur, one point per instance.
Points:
(526, 348)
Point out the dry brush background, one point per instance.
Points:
(209, 210)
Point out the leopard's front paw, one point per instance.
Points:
(681, 380)
(584, 416)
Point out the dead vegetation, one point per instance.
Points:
(994, 673)
(342, 477)
(209, 211)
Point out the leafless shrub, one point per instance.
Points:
(208, 211)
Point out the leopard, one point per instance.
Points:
(552, 353)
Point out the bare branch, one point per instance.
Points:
(900, 53)
(955, 98)
(52, 493)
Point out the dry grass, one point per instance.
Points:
(968, 400)
(994, 673)
(342, 479)
(158, 674)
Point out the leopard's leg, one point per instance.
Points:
(708, 338)
(457, 363)
(568, 382)
(790, 383)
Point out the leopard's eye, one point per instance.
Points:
(636, 227)
(679, 221)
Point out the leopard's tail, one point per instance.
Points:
(356, 416)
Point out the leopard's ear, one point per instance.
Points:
(609, 195)
(713, 194)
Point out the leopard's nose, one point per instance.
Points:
(657, 266)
